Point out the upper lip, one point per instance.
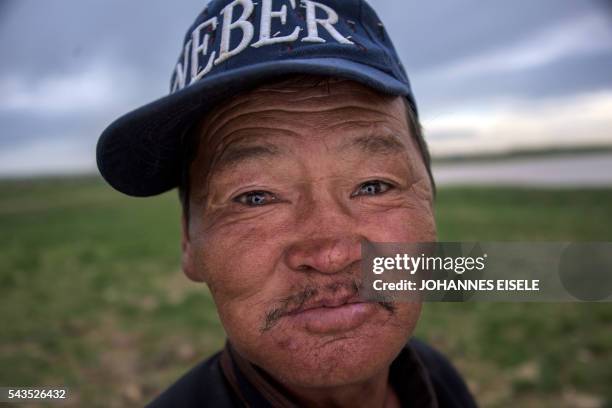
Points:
(328, 301)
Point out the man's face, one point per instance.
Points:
(288, 180)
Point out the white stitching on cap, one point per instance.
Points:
(266, 22)
(197, 47)
(228, 26)
(327, 23)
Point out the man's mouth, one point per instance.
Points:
(330, 315)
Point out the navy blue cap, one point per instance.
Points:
(231, 47)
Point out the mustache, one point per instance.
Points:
(296, 301)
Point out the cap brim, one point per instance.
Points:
(139, 154)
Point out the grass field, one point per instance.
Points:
(92, 297)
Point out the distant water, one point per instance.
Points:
(571, 170)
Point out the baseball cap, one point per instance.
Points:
(233, 46)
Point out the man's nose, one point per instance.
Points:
(325, 255)
(325, 237)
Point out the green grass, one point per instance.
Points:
(92, 297)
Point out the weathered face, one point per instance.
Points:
(288, 180)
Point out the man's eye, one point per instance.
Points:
(373, 187)
(255, 198)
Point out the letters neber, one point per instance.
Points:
(196, 52)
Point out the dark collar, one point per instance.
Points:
(255, 388)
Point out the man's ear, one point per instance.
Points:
(187, 258)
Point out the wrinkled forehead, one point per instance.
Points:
(294, 105)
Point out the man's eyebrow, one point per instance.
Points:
(384, 144)
(233, 155)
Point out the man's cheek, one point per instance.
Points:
(235, 271)
(400, 225)
(237, 285)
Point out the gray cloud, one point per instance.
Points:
(567, 77)
(40, 38)
(432, 33)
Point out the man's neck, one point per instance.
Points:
(375, 392)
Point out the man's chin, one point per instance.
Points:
(304, 357)
(334, 360)
(330, 348)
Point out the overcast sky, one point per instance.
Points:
(487, 75)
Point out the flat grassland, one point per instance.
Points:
(92, 297)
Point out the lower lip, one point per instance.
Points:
(327, 320)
